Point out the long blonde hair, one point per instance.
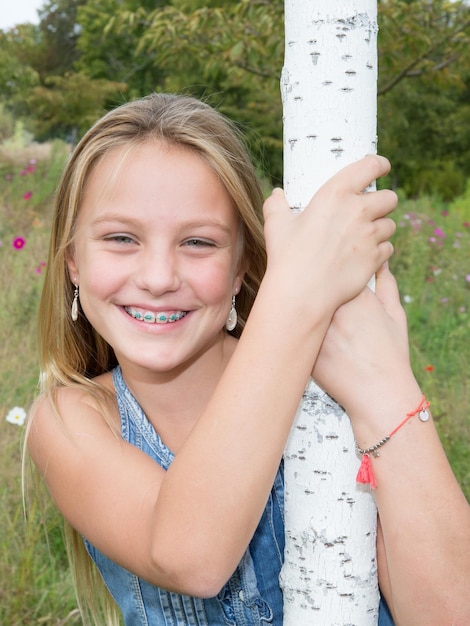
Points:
(74, 353)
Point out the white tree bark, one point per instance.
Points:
(329, 86)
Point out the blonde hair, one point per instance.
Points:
(74, 353)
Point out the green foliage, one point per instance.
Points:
(67, 105)
(17, 75)
(58, 37)
(38, 78)
(105, 53)
(231, 54)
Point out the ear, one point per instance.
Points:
(237, 282)
(72, 267)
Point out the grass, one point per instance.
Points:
(35, 585)
(432, 264)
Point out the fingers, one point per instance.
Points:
(359, 175)
(379, 203)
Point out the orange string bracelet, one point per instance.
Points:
(365, 474)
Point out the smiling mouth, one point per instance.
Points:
(162, 317)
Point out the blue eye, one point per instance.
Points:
(199, 243)
(120, 238)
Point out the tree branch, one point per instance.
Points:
(406, 72)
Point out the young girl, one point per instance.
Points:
(161, 425)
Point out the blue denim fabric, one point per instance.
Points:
(252, 596)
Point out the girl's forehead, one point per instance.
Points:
(156, 175)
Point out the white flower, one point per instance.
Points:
(17, 416)
(407, 299)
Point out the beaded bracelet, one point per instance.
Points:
(365, 474)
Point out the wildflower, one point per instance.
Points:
(429, 368)
(432, 240)
(17, 416)
(444, 300)
(445, 213)
(407, 299)
(18, 243)
(467, 278)
(466, 224)
(40, 267)
(439, 233)
(27, 195)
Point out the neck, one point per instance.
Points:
(174, 400)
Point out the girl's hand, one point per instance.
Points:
(328, 252)
(364, 358)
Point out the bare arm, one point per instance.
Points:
(200, 515)
(424, 532)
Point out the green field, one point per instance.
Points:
(432, 264)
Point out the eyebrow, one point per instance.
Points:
(128, 220)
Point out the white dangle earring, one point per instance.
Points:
(232, 318)
(74, 312)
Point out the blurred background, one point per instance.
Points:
(63, 63)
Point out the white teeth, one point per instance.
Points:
(155, 318)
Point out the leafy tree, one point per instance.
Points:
(59, 33)
(423, 83)
(229, 53)
(38, 78)
(108, 53)
(67, 105)
(232, 52)
(17, 49)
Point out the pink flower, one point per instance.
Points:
(27, 195)
(467, 278)
(445, 213)
(18, 243)
(439, 233)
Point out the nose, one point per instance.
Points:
(158, 270)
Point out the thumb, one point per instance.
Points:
(386, 289)
(275, 202)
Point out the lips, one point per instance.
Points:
(152, 317)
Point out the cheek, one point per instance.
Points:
(215, 282)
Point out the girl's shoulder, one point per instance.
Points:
(75, 407)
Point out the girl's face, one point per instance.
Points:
(156, 256)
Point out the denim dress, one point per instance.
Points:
(252, 596)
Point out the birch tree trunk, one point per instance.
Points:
(329, 86)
